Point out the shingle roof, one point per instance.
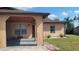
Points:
(52, 20)
(11, 10)
(8, 8)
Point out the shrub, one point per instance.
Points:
(48, 36)
(61, 35)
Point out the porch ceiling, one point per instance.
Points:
(20, 19)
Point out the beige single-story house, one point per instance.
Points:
(15, 23)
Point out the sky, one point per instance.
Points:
(56, 12)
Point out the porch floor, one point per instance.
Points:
(25, 48)
(21, 42)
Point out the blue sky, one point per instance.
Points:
(56, 12)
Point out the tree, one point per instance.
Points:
(70, 25)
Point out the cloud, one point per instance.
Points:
(76, 11)
(65, 13)
(52, 16)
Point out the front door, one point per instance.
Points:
(33, 31)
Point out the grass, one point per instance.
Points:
(70, 43)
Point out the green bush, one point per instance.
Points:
(48, 36)
(61, 35)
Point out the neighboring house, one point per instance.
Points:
(21, 24)
(76, 30)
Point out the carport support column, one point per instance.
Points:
(3, 31)
(39, 31)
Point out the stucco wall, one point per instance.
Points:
(11, 29)
(3, 31)
(59, 29)
(38, 29)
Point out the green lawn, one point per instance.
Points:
(70, 43)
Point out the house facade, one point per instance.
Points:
(76, 30)
(16, 23)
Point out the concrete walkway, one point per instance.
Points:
(24, 48)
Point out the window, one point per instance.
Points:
(52, 29)
(20, 30)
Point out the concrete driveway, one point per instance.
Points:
(24, 48)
